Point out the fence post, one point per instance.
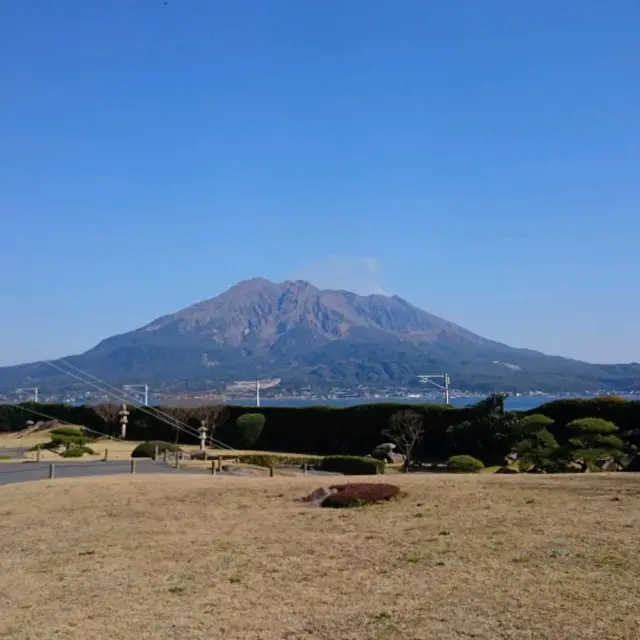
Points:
(176, 463)
(133, 466)
(52, 471)
(165, 455)
(106, 454)
(304, 469)
(213, 467)
(38, 454)
(219, 463)
(155, 453)
(272, 471)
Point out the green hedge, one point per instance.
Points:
(328, 431)
(315, 430)
(352, 465)
(275, 460)
(148, 449)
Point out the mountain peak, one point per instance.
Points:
(299, 333)
(255, 314)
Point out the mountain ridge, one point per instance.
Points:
(323, 338)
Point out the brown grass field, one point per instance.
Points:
(477, 556)
(118, 449)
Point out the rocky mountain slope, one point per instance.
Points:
(308, 336)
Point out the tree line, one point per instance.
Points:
(562, 435)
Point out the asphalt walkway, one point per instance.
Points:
(13, 472)
(29, 471)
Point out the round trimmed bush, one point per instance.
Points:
(464, 464)
(358, 494)
(148, 449)
(248, 430)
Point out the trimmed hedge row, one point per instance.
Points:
(352, 465)
(148, 449)
(327, 431)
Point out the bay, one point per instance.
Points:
(513, 403)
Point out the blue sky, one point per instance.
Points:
(481, 159)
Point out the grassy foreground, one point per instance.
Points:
(118, 449)
(484, 556)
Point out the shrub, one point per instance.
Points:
(77, 451)
(358, 494)
(68, 441)
(592, 426)
(464, 464)
(260, 460)
(592, 442)
(148, 449)
(352, 465)
(538, 448)
(68, 431)
(536, 422)
(272, 460)
(248, 430)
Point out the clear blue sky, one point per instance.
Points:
(481, 159)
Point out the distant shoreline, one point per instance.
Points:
(522, 403)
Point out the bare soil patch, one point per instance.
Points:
(478, 556)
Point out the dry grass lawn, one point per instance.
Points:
(485, 556)
(118, 450)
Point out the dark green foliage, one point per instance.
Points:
(359, 494)
(592, 442)
(266, 460)
(68, 431)
(352, 465)
(592, 426)
(248, 430)
(148, 449)
(316, 430)
(536, 422)
(69, 442)
(464, 464)
(538, 448)
(261, 460)
(623, 413)
(77, 451)
(356, 429)
(489, 433)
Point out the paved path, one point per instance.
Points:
(28, 471)
(14, 452)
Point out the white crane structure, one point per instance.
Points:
(141, 389)
(444, 387)
(33, 390)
